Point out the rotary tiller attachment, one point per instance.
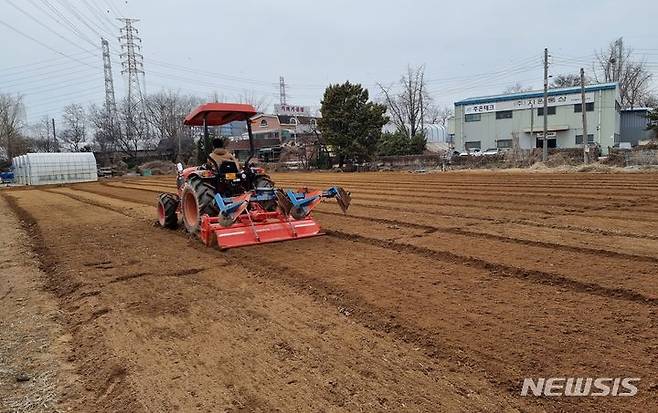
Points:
(242, 220)
(299, 204)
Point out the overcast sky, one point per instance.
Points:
(469, 48)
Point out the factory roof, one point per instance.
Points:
(534, 94)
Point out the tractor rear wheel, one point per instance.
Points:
(167, 206)
(197, 199)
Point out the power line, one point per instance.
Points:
(60, 85)
(43, 25)
(43, 44)
(68, 22)
(110, 6)
(104, 19)
(50, 78)
(83, 20)
(37, 66)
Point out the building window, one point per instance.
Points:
(550, 111)
(472, 117)
(503, 143)
(263, 123)
(469, 146)
(578, 107)
(314, 123)
(579, 139)
(504, 114)
(293, 121)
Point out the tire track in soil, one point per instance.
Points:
(520, 273)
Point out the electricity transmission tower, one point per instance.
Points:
(132, 66)
(282, 90)
(110, 102)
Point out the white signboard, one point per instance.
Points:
(292, 110)
(529, 103)
(548, 134)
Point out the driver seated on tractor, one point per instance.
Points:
(219, 154)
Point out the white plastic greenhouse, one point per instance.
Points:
(54, 168)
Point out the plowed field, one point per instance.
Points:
(435, 293)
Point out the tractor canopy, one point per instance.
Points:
(217, 114)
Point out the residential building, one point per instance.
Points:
(286, 128)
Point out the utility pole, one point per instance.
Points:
(583, 105)
(55, 146)
(545, 137)
(282, 90)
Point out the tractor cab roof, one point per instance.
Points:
(217, 114)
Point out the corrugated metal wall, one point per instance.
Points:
(634, 126)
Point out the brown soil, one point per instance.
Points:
(440, 301)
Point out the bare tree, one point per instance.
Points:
(517, 88)
(616, 63)
(407, 108)
(74, 120)
(215, 96)
(12, 123)
(42, 137)
(567, 80)
(436, 114)
(166, 111)
(107, 131)
(134, 129)
(260, 103)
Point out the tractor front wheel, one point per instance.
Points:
(167, 206)
(197, 199)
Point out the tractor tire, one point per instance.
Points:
(197, 199)
(167, 206)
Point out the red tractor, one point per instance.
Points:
(232, 206)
